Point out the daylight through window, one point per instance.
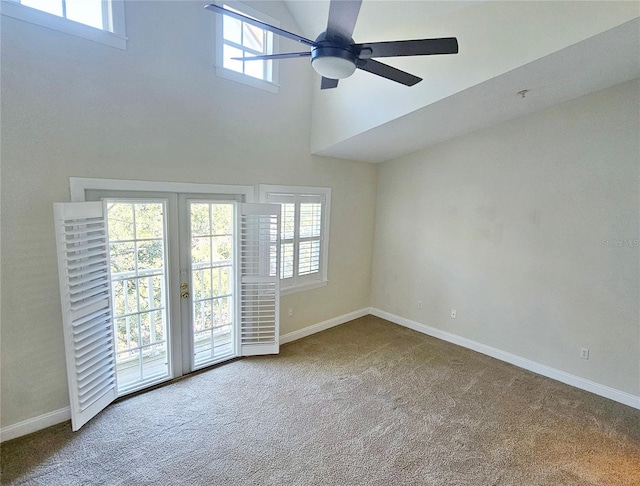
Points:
(96, 20)
(244, 40)
(88, 12)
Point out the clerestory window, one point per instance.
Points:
(237, 39)
(97, 20)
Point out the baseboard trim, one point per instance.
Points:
(527, 364)
(322, 326)
(52, 418)
(34, 424)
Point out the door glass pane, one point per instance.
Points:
(138, 252)
(211, 269)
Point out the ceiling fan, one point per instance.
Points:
(334, 55)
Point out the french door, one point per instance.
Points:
(192, 282)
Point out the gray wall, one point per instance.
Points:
(157, 111)
(517, 227)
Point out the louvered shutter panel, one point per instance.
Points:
(83, 267)
(259, 282)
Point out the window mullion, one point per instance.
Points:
(296, 238)
(247, 73)
(64, 9)
(107, 23)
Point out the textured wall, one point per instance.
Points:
(71, 107)
(530, 231)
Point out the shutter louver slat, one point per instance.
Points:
(85, 304)
(93, 369)
(86, 293)
(90, 242)
(90, 342)
(92, 321)
(87, 358)
(82, 263)
(84, 270)
(259, 283)
(93, 392)
(85, 290)
(86, 277)
(104, 311)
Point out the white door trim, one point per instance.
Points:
(78, 186)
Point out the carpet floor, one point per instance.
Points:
(364, 403)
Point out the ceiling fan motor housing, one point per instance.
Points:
(334, 56)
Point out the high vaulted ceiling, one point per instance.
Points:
(555, 50)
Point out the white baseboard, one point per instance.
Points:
(321, 326)
(527, 364)
(52, 418)
(34, 424)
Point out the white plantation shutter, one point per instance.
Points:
(259, 282)
(304, 234)
(309, 235)
(83, 267)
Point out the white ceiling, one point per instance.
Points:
(393, 20)
(604, 60)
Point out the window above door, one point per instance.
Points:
(96, 20)
(234, 38)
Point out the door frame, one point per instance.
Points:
(80, 186)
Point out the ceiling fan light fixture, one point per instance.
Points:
(333, 62)
(334, 54)
(333, 67)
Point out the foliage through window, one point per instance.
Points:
(139, 288)
(304, 217)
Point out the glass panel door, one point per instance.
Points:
(211, 266)
(172, 263)
(138, 261)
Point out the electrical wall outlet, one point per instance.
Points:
(290, 312)
(453, 313)
(419, 304)
(584, 353)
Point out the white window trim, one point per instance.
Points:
(271, 86)
(266, 189)
(78, 186)
(117, 38)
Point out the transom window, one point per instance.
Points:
(304, 220)
(235, 38)
(88, 12)
(97, 20)
(246, 40)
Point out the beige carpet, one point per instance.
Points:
(365, 403)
